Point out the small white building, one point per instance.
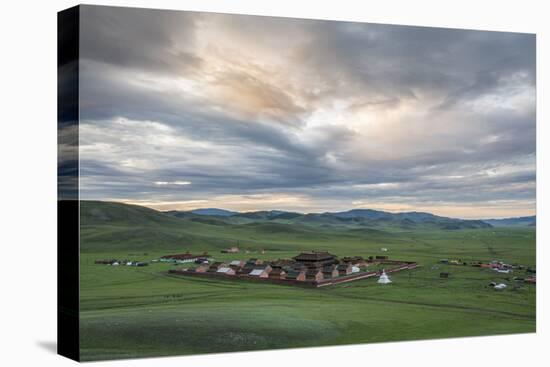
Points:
(384, 278)
(505, 271)
(226, 271)
(260, 273)
(355, 269)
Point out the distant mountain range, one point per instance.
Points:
(513, 222)
(214, 212)
(358, 217)
(281, 221)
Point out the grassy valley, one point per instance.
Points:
(139, 312)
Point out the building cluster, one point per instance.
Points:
(497, 266)
(313, 267)
(236, 250)
(115, 262)
(501, 267)
(186, 258)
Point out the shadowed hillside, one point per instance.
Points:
(110, 213)
(111, 226)
(356, 218)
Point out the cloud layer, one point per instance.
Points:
(185, 110)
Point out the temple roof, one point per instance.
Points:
(314, 256)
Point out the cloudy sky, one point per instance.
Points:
(184, 110)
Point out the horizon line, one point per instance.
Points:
(312, 212)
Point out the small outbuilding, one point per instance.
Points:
(277, 273)
(237, 263)
(245, 270)
(231, 250)
(354, 260)
(504, 271)
(330, 272)
(202, 269)
(226, 271)
(344, 269)
(298, 275)
(213, 268)
(314, 274)
(254, 262)
(259, 273)
(105, 262)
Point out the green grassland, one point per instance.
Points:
(143, 311)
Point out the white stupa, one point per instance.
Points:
(384, 279)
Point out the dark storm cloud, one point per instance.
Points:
(134, 38)
(399, 61)
(338, 112)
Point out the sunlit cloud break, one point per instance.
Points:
(177, 183)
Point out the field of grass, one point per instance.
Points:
(139, 312)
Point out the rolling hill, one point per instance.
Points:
(356, 218)
(110, 225)
(111, 213)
